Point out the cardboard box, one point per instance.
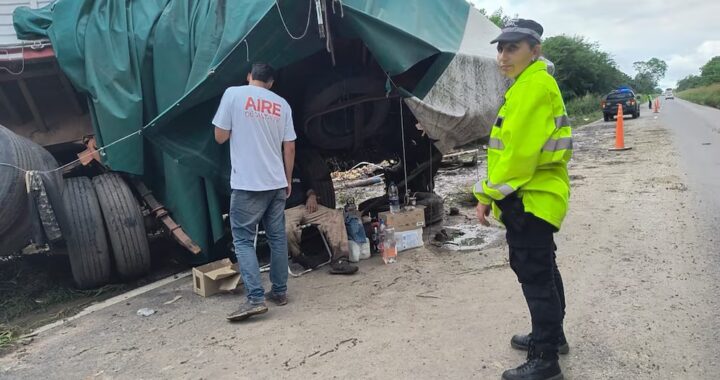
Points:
(409, 239)
(218, 276)
(405, 220)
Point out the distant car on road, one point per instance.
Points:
(669, 95)
(624, 96)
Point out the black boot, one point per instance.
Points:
(535, 369)
(522, 342)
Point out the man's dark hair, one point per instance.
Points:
(262, 72)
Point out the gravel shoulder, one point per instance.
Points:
(640, 272)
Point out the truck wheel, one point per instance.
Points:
(606, 117)
(15, 220)
(434, 209)
(85, 234)
(338, 130)
(125, 225)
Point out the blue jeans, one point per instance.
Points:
(247, 210)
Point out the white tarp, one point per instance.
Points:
(462, 105)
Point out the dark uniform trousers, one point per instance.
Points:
(532, 258)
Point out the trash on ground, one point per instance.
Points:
(172, 300)
(145, 312)
(468, 158)
(467, 237)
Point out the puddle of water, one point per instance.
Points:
(474, 237)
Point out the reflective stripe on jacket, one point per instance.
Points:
(530, 146)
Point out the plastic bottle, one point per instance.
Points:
(381, 239)
(393, 198)
(365, 250)
(389, 246)
(354, 251)
(375, 236)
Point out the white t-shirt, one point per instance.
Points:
(260, 121)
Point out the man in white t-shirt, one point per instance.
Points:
(258, 123)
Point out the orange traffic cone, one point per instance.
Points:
(620, 131)
(657, 105)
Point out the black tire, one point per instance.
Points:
(125, 225)
(434, 207)
(606, 117)
(85, 234)
(322, 131)
(317, 168)
(15, 220)
(635, 115)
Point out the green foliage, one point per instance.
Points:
(644, 83)
(648, 74)
(581, 67)
(6, 337)
(690, 81)
(654, 69)
(584, 107)
(710, 72)
(498, 17)
(708, 95)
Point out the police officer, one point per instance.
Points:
(527, 189)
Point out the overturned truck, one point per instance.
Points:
(106, 107)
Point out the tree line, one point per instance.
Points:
(709, 74)
(582, 68)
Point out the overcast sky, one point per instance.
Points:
(685, 34)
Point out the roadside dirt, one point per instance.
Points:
(640, 271)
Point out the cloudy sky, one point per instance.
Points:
(685, 34)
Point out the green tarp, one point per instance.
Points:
(159, 66)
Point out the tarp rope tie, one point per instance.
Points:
(402, 134)
(307, 25)
(22, 59)
(80, 157)
(340, 2)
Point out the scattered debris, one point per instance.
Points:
(360, 171)
(468, 158)
(360, 182)
(467, 237)
(172, 300)
(443, 236)
(145, 312)
(454, 211)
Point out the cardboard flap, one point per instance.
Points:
(220, 273)
(229, 283)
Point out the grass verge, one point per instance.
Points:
(708, 95)
(36, 290)
(584, 110)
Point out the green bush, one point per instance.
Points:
(708, 95)
(584, 107)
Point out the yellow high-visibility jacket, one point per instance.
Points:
(530, 146)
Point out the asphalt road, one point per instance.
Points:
(696, 135)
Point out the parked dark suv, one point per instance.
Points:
(625, 97)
